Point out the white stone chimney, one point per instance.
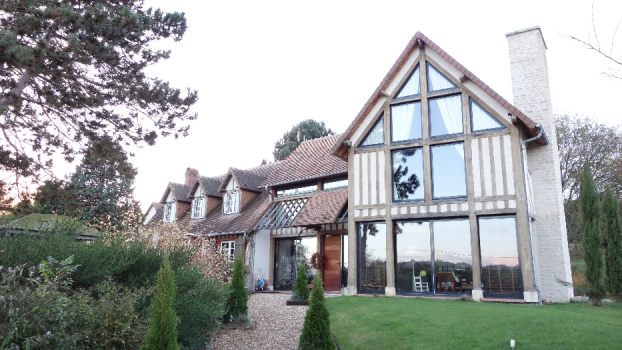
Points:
(532, 96)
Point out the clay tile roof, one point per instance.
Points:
(249, 216)
(180, 192)
(310, 160)
(322, 208)
(248, 180)
(210, 185)
(339, 148)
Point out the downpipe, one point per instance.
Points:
(523, 149)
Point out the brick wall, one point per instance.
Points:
(212, 202)
(247, 196)
(182, 207)
(531, 91)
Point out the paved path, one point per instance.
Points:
(278, 325)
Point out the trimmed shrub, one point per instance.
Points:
(316, 330)
(301, 289)
(613, 237)
(237, 305)
(589, 208)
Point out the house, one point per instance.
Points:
(443, 199)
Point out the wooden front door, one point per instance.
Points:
(332, 262)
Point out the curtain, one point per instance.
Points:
(436, 81)
(450, 110)
(376, 135)
(412, 86)
(402, 118)
(481, 119)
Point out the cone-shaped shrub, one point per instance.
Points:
(316, 330)
(589, 209)
(237, 304)
(613, 235)
(301, 288)
(162, 333)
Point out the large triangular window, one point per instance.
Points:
(482, 120)
(437, 81)
(412, 86)
(375, 135)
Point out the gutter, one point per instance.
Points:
(541, 135)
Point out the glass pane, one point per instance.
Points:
(408, 174)
(285, 264)
(376, 135)
(500, 267)
(437, 81)
(452, 255)
(406, 122)
(335, 183)
(446, 115)
(412, 86)
(372, 256)
(344, 261)
(305, 248)
(414, 257)
(448, 171)
(481, 119)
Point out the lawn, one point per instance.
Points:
(416, 323)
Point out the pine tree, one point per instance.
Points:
(237, 305)
(613, 237)
(589, 207)
(162, 334)
(301, 289)
(305, 130)
(316, 330)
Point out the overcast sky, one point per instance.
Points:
(262, 66)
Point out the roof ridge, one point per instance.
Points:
(319, 138)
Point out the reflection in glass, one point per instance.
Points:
(437, 81)
(482, 120)
(408, 174)
(376, 134)
(413, 271)
(406, 122)
(344, 261)
(500, 266)
(452, 255)
(290, 253)
(412, 86)
(336, 182)
(448, 170)
(372, 256)
(446, 115)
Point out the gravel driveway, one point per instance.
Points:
(278, 325)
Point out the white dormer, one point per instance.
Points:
(170, 210)
(199, 204)
(231, 199)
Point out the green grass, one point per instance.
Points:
(416, 323)
(579, 265)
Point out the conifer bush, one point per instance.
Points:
(162, 333)
(316, 330)
(237, 305)
(589, 209)
(301, 289)
(613, 236)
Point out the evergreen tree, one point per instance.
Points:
(589, 207)
(57, 197)
(237, 305)
(162, 333)
(613, 237)
(71, 70)
(316, 330)
(301, 289)
(305, 130)
(103, 184)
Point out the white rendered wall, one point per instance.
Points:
(262, 254)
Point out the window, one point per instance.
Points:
(372, 255)
(501, 273)
(228, 249)
(412, 86)
(407, 174)
(437, 81)
(446, 115)
(337, 182)
(297, 189)
(375, 135)
(198, 204)
(448, 171)
(232, 202)
(170, 212)
(406, 122)
(482, 120)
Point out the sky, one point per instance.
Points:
(260, 67)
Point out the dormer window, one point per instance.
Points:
(198, 204)
(170, 212)
(232, 202)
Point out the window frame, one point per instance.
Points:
(376, 145)
(445, 136)
(466, 181)
(483, 131)
(335, 179)
(422, 182)
(297, 186)
(168, 208)
(408, 97)
(358, 252)
(238, 194)
(427, 77)
(230, 249)
(202, 199)
(404, 102)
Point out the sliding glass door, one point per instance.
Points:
(372, 256)
(289, 254)
(501, 272)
